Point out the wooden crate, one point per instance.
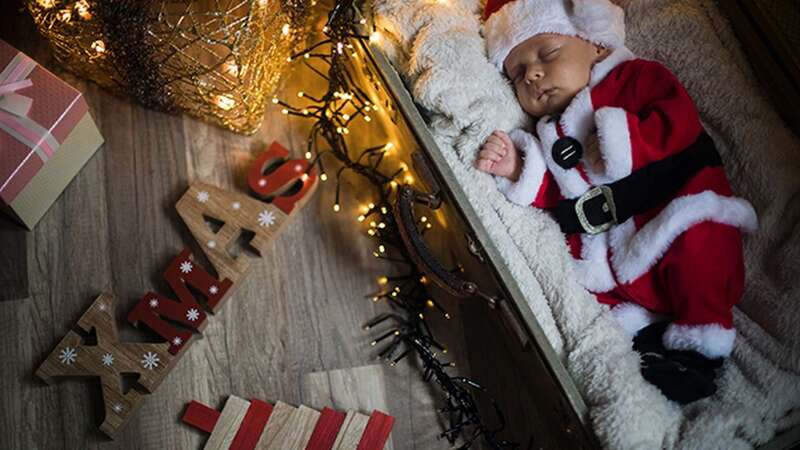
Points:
(508, 350)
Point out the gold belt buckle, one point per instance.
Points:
(596, 191)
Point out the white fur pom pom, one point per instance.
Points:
(602, 21)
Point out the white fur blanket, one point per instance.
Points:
(438, 49)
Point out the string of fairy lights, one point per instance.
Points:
(334, 114)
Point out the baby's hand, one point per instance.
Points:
(498, 156)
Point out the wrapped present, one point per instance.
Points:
(46, 136)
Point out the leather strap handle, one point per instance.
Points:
(419, 252)
(427, 263)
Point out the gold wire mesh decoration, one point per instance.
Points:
(219, 60)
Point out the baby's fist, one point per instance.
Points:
(498, 156)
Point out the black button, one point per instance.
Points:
(567, 152)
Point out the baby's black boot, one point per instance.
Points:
(682, 375)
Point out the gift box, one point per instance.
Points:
(46, 136)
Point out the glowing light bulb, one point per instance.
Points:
(289, 59)
(375, 37)
(307, 55)
(409, 179)
(384, 210)
(383, 280)
(371, 232)
(47, 4)
(423, 219)
(284, 111)
(367, 119)
(371, 206)
(393, 183)
(82, 8)
(381, 225)
(285, 29)
(64, 15)
(427, 225)
(382, 249)
(304, 177)
(232, 69)
(275, 100)
(346, 116)
(99, 46)
(308, 155)
(305, 112)
(373, 224)
(388, 147)
(361, 218)
(336, 207)
(429, 303)
(225, 102)
(301, 94)
(362, 21)
(323, 177)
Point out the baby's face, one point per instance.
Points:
(548, 70)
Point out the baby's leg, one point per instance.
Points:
(703, 274)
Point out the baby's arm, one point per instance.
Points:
(518, 165)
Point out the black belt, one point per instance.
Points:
(604, 206)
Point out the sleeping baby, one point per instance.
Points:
(620, 159)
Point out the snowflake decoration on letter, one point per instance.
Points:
(102, 306)
(202, 196)
(68, 355)
(186, 267)
(211, 244)
(236, 205)
(177, 340)
(117, 408)
(213, 290)
(153, 302)
(192, 314)
(108, 359)
(150, 360)
(266, 218)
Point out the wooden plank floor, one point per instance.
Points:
(297, 315)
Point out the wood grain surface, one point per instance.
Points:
(115, 228)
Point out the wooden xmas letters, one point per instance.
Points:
(283, 187)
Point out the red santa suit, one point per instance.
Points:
(682, 258)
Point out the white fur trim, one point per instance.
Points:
(523, 191)
(614, 142)
(712, 340)
(598, 21)
(577, 120)
(635, 253)
(593, 270)
(632, 317)
(569, 180)
(601, 69)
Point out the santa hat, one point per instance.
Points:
(508, 23)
